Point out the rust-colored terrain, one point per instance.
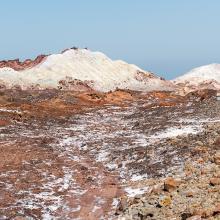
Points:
(18, 65)
(91, 155)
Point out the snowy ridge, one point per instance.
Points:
(205, 77)
(94, 69)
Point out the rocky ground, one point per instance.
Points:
(192, 193)
(121, 155)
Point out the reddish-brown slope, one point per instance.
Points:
(18, 65)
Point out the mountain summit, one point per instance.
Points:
(78, 69)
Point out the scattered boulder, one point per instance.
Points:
(217, 158)
(170, 184)
(215, 181)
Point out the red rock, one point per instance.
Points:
(3, 123)
(215, 181)
(18, 65)
(170, 184)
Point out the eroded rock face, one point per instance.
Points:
(18, 65)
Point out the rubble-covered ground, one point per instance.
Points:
(121, 155)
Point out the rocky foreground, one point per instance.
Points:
(192, 194)
(120, 155)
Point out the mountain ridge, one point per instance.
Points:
(94, 69)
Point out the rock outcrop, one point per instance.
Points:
(18, 65)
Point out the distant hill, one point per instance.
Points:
(204, 77)
(78, 69)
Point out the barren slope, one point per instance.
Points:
(73, 156)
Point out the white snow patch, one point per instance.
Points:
(132, 192)
(102, 156)
(138, 177)
(77, 209)
(67, 179)
(177, 131)
(115, 203)
(10, 110)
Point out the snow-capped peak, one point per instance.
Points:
(76, 67)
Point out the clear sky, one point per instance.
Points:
(168, 37)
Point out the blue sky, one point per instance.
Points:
(168, 37)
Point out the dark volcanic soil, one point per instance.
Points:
(68, 155)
